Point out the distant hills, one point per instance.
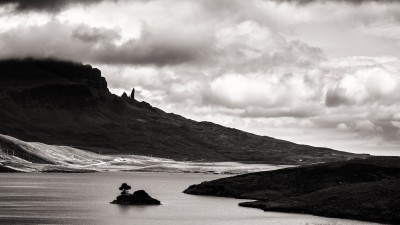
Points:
(360, 189)
(64, 103)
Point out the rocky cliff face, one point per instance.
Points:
(51, 84)
(64, 103)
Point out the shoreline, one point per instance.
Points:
(364, 190)
(304, 212)
(5, 169)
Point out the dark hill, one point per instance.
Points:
(67, 103)
(362, 189)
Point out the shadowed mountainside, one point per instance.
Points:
(65, 103)
(362, 189)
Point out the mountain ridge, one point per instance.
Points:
(67, 103)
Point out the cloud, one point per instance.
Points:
(366, 85)
(310, 110)
(44, 5)
(101, 45)
(249, 47)
(155, 47)
(94, 34)
(58, 5)
(304, 2)
(259, 90)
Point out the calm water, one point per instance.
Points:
(84, 199)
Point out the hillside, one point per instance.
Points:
(362, 189)
(64, 103)
(18, 155)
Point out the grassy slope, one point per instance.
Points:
(377, 201)
(4, 169)
(355, 189)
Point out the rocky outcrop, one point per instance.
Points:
(132, 94)
(125, 97)
(50, 71)
(51, 84)
(137, 198)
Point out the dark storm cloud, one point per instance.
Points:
(144, 52)
(45, 5)
(153, 47)
(100, 45)
(336, 98)
(57, 5)
(304, 112)
(92, 34)
(135, 54)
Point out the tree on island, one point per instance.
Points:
(124, 188)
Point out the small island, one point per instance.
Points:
(139, 197)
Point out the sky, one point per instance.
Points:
(318, 72)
